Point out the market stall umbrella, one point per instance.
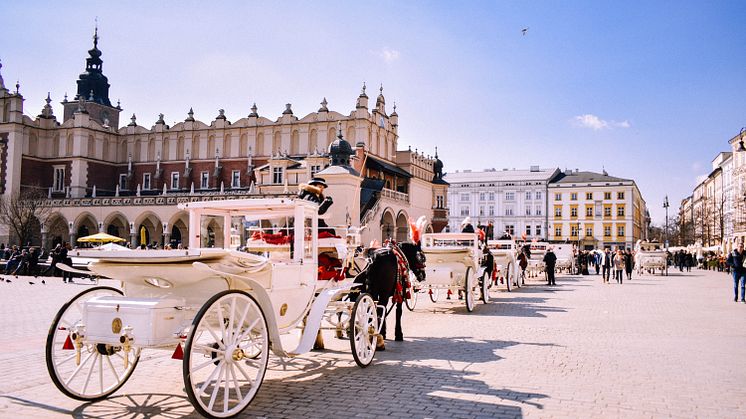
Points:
(100, 238)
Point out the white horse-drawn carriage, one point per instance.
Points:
(454, 265)
(221, 310)
(651, 257)
(565, 258)
(506, 264)
(536, 264)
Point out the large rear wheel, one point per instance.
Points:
(96, 370)
(226, 354)
(485, 287)
(363, 330)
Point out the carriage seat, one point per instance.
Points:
(330, 267)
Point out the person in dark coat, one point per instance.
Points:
(550, 260)
(64, 259)
(314, 192)
(736, 260)
(629, 263)
(466, 226)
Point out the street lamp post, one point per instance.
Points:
(665, 205)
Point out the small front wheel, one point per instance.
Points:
(94, 370)
(433, 294)
(363, 330)
(469, 290)
(226, 354)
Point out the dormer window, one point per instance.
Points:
(58, 183)
(146, 181)
(277, 175)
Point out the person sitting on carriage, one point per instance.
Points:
(314, 192)
(466, 226)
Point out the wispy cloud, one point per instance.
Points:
(388, 55)
(595, 123)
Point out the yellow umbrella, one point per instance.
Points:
(100, 238)
(143, 237)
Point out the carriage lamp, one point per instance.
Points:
(77, 337)
(126, 340)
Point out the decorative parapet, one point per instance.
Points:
(168, 200)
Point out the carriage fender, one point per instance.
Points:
(262, 298)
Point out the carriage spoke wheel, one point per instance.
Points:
(433, 294)
(485, 290)
(226, 354)
(363, 330)
(509, 276)
(411, 302)
(469, 290)
(101, 369)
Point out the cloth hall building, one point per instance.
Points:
(127, 180)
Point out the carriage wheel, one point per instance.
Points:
(411, 302)
(485, 282)
(469, 290)
(364, 329)
(220, 376)
(509, 276)
(433, 294)
(102, 369)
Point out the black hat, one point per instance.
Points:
(318, 181)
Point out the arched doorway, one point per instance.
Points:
(402, 227)
(179, 230)
(57, 231)
(149, 230)
(117, 225)
(388, 228)
(85, 225)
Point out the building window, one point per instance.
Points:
(277, 173)
(315, 169)
(620, 210)
(573, 196)
(122, 181)
(558, 197)
(589, 196)
(538, 230)
(557, 212)
(589, 232)
(146, 181)
(464, 197)
(558, 231)
(204, 180)
(492, 196)
(528, 195)
(607, 231)
(528, 209)
(573, 212)
(491, 210)
(439, 201)
(236, 179)
(589, 212)
(58, 183)
(510, 229)
(528, 230)
(620, 195)
(509, 211)
(174, 180)
(464, 211)
(538, 210)
(607, 195)
(620, 231)
(481, 196)
(538, 194)
(481, 211)
(607, 212)
(573, 231)
(510, 196)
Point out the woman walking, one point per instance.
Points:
(629, 263)
(618, 266)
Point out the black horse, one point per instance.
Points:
(381, 277)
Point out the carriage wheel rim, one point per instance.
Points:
(469, 291)
(364, 330)
(98, 374)
(222, 370)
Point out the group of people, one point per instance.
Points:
(683, 259)
(25, 261)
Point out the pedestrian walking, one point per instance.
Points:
(618, 262)
(64, 259)
(736, 261)
(550, 260)
(629, 263)
(606, 265)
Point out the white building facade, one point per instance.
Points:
(511, 201)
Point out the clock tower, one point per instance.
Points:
(93, 92)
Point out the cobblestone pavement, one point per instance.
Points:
(652, 347)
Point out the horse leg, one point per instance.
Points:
(398, 335)
(380, 339)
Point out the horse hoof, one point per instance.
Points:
(380, 348)
(399, 338)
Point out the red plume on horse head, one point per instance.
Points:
(415, 228)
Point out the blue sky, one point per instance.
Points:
(647, 90)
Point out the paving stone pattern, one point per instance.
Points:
(653, 347)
